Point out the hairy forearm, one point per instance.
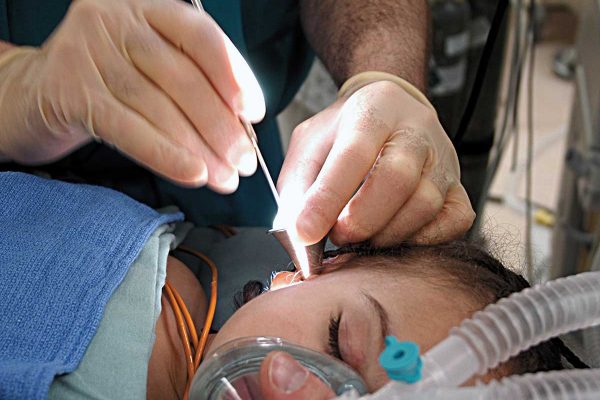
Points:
(352, 36)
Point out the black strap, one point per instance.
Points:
(486, 55)
(568, 354)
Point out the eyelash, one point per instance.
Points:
(334, 343)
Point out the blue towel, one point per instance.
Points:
(64, 249)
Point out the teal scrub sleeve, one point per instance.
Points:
(30, 22)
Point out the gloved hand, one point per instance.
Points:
(375, 165)
(156, 79)
(283, 378)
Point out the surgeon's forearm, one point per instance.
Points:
(353, 36)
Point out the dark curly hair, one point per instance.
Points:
(464, 266)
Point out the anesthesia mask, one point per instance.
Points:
(231, 372)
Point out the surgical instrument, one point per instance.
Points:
(305, 258)
(253, 138)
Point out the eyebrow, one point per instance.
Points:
(384, 319)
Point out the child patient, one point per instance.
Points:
(416, 293)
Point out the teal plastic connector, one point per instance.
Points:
(401, 360)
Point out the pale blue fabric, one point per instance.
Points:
(63, 250)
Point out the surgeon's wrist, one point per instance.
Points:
(363, 79)
(24, 136)
(10, 53)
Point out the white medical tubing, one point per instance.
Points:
(591, 336)
(556, 385)
(504, 329)
(512, 325)
(568, 384)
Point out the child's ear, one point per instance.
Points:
(284, 279)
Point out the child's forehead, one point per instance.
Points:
(367, 271)
(373, 272)
(384, 265)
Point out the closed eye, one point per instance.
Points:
(334, 334)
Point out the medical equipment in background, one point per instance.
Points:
(460, 29)
(578, 229)
(503, 330)
(232, 370)
(523, 24)
(448, 63)
(576, 240)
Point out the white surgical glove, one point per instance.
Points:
(375, 166)
(155, 79)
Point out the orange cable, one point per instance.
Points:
(188, 318)
(180, 308)
(209, 317)
(189, 358)
(212, 303)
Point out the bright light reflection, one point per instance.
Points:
(252, 105)
(302, 257)
(290, 205)
(285, 279)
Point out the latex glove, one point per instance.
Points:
(283, 378)
(387, 137)
(156, 79)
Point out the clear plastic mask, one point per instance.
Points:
(231, 372)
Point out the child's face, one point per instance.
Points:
(370, 305)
